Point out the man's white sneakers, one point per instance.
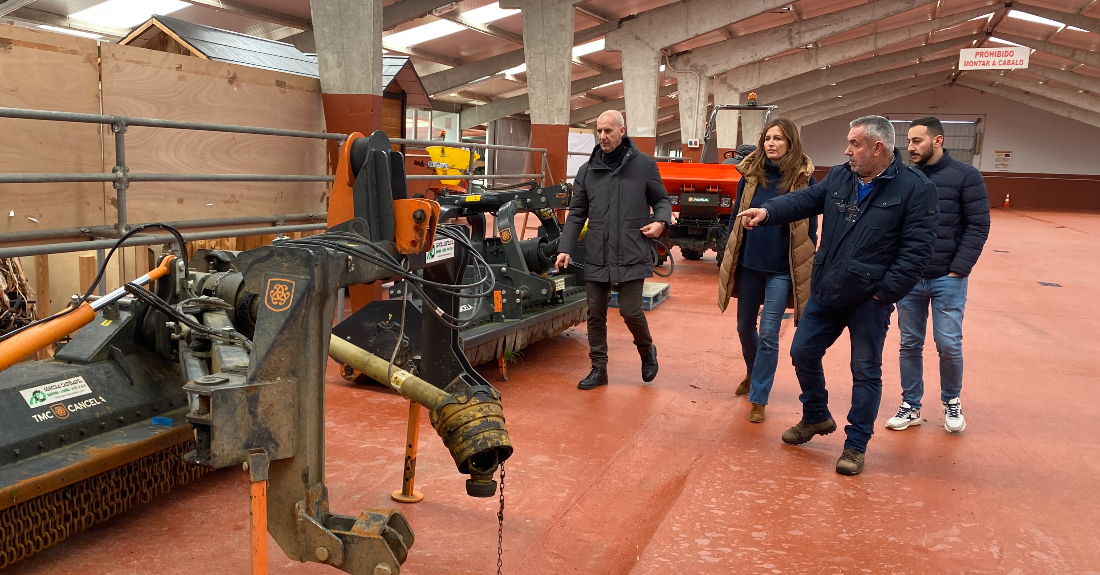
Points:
(953, 416)
(906, 416)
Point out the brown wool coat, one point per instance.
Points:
(801, 251)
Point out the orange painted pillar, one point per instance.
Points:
(694, 153)
(344, 114)
(646, 144)
(555, 138)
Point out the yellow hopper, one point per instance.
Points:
(450, 162)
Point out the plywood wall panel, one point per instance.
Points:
(57, 72)
(145, 83)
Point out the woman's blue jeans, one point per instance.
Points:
(760, 345)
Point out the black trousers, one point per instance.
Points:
(630, 308)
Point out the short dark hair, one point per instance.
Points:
(935, 127)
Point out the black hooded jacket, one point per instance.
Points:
(616, 203)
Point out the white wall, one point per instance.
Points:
(1040, 141)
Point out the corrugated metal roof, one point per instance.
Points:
(236, 48)
(233, 47)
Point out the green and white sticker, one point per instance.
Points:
(442, 249)
(56, 391)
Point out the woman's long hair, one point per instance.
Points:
(788, 166)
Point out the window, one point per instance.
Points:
(960, 138)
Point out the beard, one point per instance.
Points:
(924, 156)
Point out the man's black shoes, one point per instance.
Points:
(596, 378)
(649, 364)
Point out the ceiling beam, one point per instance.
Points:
(447, 80)
(721, 56)
(487, 29)
(1067, 18)
(860, 103)
(1071, 97)
(1067, 52)
(1033, 100)
(673, 23)
(33, 16)
(772, 70)
(587, 113)
(817, 78)
(906, 86)
(516, 104)
(668, 138)
(846, 88)
(254, 12)
(592, 14)
(12, 5)
(420, 53)
(1083, 81)
(405, 10)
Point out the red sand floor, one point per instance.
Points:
(669, 477)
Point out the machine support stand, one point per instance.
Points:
(502, 364)
(257, 466)
(407, 494)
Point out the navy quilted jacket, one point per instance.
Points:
(963, 224)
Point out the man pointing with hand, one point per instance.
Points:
(614, 192)
(878, 233)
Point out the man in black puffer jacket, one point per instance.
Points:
(614, 191)
(961, 234)
(877, 235)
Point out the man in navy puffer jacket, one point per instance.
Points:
(960, 235)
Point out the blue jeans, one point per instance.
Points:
(761, 347)
(819, 328)
(947, 296)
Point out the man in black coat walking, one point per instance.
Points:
(878, 232)
(614, 192)
(960, 235)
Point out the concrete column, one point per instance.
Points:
(692, 100)
(726, 93)
(547, 50)
(641, 77)
(752, 123)
(348, 35)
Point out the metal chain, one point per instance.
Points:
(500, 523)
(34, 524)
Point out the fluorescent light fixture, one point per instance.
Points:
(1032, 18)
(490, 13)
(982, 17)
(608, 84)
(662, 67)
(517, 70)
(441, 28)
(593, 46)
(71, 32)
(1076, 29)
(424, 33)
(127, 13)
(996, 39)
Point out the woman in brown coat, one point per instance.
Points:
(767, 266)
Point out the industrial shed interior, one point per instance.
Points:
(279, 289)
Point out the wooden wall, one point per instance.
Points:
(46, 71)
(147, 83)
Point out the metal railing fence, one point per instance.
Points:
(100, 237)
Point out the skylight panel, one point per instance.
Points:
(423, 33)
(71, 32)
(127, 13)
(1002, 41)
(1032, 18)
(441, 28)
(593, 46)
(490, 13)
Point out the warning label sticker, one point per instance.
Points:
(442, 249)
(56, 391)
